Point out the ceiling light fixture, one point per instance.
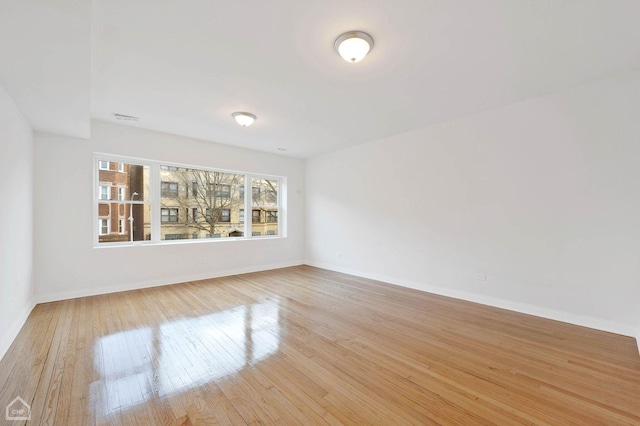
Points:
(353, 46)
(125, 117)
(244, 119)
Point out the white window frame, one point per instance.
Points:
(100, 167)
(154, 201)
(122, 226)
(108, 187)
(120, 166)
(122, 192)
(108, 220)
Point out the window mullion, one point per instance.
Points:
(154, 188)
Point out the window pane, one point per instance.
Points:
(115, 219)
(264, 192)
(264, 222)
(119, 183)
(264, 200)
(133, 179)
(206, 203)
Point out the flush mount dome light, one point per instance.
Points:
(244, 119)
(353, 46)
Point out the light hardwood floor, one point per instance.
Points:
(301, 346)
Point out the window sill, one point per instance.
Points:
(186, 242)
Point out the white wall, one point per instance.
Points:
(16, 216)
(542, 196)
(638, 333)
(66, 263)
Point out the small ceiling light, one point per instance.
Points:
(353, 46)
(244, 119)
(126, 117)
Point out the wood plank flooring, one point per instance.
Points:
(303, 346)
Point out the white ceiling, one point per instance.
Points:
(185, 66)
(45, 62)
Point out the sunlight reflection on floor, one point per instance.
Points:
(139, 364)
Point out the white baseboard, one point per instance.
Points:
(54, 297)
(585, 321)
(14, 328)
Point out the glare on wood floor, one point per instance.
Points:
(307, 346)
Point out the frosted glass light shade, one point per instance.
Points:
(244, 119)
(353, 46)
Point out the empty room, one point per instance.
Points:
(414, 212)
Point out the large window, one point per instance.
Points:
(158, 202)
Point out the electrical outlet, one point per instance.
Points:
(480, 276)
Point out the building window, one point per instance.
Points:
(105, 192)
(103, 226)
(255, 216)
(173, 237)
(169, 189)
(121, 226)
(169, 168)
(194, 189)
(225, 215)
(271, 216)
(241, 215)
(121, 193)
(271, 232)
(194, 212)
(103, 165)
(223, 191)
(255, 193)
(168, 215)
(241, 192)
(121, 167)
(256, 233)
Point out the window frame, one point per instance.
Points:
(225, 216)
(108, 221)
(154, 202)
(169, 214)
(169, 191)
(106, 185)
